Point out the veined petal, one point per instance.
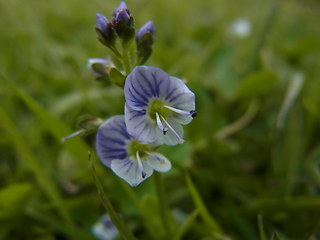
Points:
(169, 138)
(128, 169)
(111, 140)
(158, 162)
(143, 84)
(139, 126)
(182, 97)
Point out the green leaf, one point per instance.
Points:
(256, 84)
(14, 198)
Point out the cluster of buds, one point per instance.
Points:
(118, 35)
(122, 26)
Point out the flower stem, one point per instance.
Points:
(163, 208)
(125, 57)
(122, 228)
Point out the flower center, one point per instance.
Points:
(158, 111)
(158, 106)
(136, 146)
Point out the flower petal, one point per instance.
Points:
(139, 126)
(181, 97)
(143, 84)
(111, 140)
(169, 138)
(158, 162)
(128, 169)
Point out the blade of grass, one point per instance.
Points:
(53, 125)
(122, 228)
(188, 223)
(210, 222)
(44, 182)
(261, 228)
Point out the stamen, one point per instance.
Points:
(180, 140)
(140, 165)
(193, 113)
(159, 123)
(72, 135)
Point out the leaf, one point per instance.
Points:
(14, 198)
(256, 84)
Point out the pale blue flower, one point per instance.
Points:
(127, 157)
(104, 229)
(157, 105)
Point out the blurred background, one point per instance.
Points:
(253, 151)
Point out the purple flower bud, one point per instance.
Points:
(105, 30)
(145, 40)
(122, 5)
(124, 16)
(102, 22)
(123, 22)
(146, 29)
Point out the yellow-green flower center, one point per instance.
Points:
(157, 106)
(136, 146)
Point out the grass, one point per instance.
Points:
(252, 153)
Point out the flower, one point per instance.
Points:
(130, 159)
(157, 105)
(104, 229)
(240, 28)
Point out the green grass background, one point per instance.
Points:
(253, 150)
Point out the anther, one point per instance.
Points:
(193, 113)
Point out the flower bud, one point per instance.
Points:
(100, 68)
(145, 40)
(147, 29)
(105, 30)
(123, 22)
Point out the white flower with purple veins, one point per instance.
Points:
(130, 159)
(157, 105)
(104, 229)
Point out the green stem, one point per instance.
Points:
(122, 228)
(126, 57)
(163, 208)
